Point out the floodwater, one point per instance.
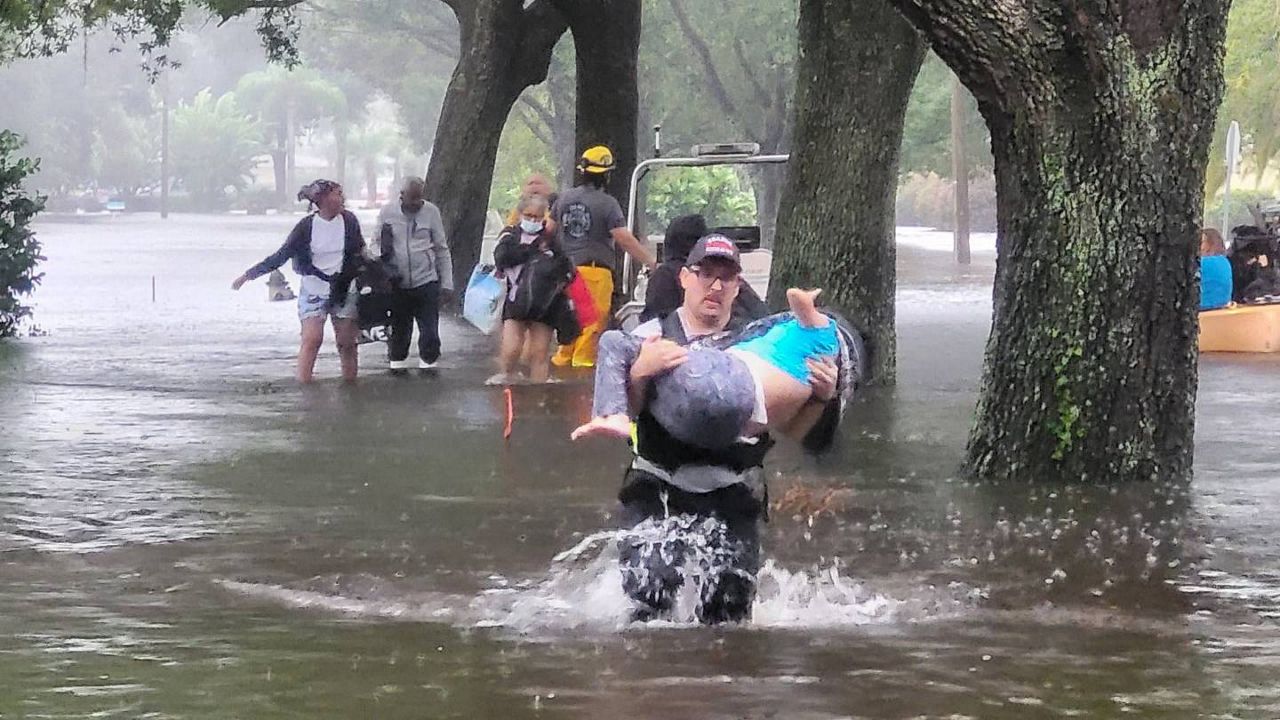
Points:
(185, 533)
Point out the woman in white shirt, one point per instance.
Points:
(324, 245)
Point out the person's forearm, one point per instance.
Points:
(805, 420)
(635, 249)
(444, 269)
(636, 390)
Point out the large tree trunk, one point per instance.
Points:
(606, 41)
(768, 181)
(835, 225)
(1100, 123)
(506, 47)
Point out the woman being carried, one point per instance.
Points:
(722, 389)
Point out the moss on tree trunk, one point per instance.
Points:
(1100, 115)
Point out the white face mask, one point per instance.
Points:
(533, 227)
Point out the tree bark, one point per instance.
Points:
(371, 182)
(835, 225)
(960, 174)
(278, 174)
(768, 181)
(341, 131)
(606, 41)
(291, 148)
(506, 47)
(1100, 116)
(164, 146)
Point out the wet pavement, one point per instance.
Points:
(185, 533)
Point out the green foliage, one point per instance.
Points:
(926, 136)
(369, 149)
(751, 55)
(214, 145)
(716, 192)
(520, 154)
(377, 41)
(1252, 89)
(35, 28)
(19, 249)
(275, 92)
(1241, 200)
(126, 152)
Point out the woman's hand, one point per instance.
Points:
(239, 282)
(657, 355)
(823, 379)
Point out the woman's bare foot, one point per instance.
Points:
(618, 426)
(803, 304)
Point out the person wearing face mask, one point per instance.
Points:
(537, 272)
(413, 246)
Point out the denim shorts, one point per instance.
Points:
(317, 306)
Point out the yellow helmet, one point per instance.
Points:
(596, 160)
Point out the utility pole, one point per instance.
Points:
(960, 172)
(164, 146)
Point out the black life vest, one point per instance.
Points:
(656, 445)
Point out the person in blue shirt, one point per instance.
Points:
(1215, 271)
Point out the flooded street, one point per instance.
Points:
(186, 533)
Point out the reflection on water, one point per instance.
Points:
(185, 533)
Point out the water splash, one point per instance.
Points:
(582, 591)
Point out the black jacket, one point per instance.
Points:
(539, 290)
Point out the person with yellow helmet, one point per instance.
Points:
(589, 223)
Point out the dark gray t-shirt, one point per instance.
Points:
(585, 215)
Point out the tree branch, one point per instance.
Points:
(535, 127)
(538, 109)
(749, 70)
(709, 72)
(545, 25)
(992, 47)
(438, 39)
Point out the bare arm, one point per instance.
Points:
(823, 375)
(657, 356)
(274, 260)
(628, 242)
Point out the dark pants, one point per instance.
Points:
(653, 573)
(407, 305)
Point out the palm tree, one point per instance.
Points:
(368, 148)
(214, 146)
(287, 102)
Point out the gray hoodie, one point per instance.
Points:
(418, 252)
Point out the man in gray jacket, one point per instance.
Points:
(416, 253)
